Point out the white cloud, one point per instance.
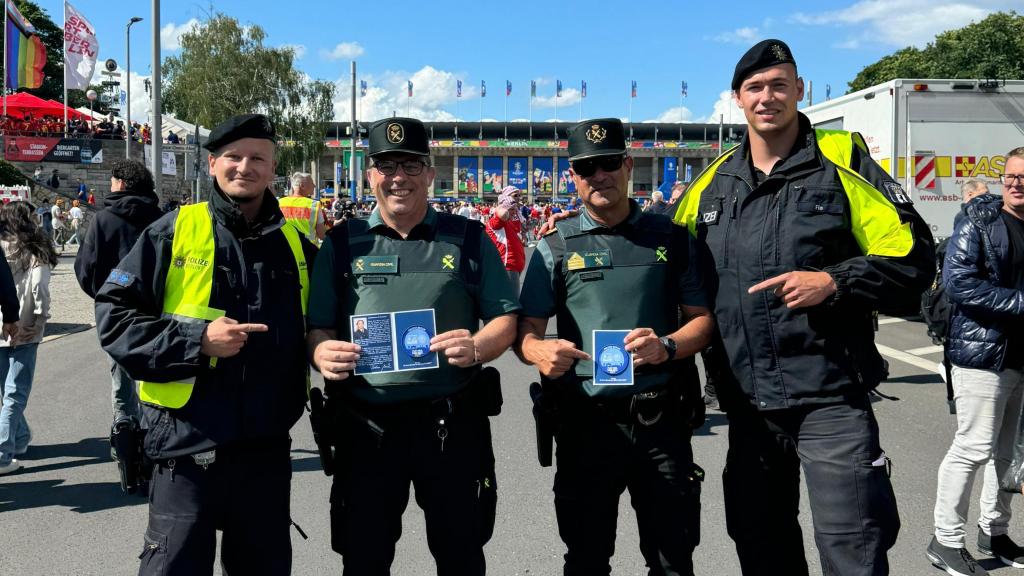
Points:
(344, 51)
(298, 49)
(744, 35)
(901, 22)
(141, 106)
(570, 97)
(726, 109)
(170, 33)
(433, 93)
(674, 114)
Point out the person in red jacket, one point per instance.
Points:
(505, 227)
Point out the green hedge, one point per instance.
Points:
(11, 176)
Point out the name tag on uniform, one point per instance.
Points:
(375, 265)
(589, 260)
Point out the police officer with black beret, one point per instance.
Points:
(207, 312)
(614, 267)
(427, 428)
(809, 236)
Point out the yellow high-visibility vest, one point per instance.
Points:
(874, 221)
(302, 213)
(189, 285)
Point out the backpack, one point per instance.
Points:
(936, 308)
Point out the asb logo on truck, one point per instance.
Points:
(928, 168)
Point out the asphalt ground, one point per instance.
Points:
(64, 513)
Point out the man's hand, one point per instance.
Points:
(799, 289)
(645, 347)
(10, 330)
(224, 337)
(457, 345)
(550, 224)
(336, 358)
(554, 358)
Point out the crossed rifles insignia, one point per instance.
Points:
(596, 134)
(396, 133)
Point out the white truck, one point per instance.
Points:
(951, 130)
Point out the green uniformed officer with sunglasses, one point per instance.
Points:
(424, 427)
(614, 267)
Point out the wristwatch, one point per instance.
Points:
(670, 346)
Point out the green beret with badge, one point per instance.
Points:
(600, 137)
(764, 54)
(238, 127)
(399, 135)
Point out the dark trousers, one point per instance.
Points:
(245, 493)
(454, 482)
(852, 502)
(602, 451)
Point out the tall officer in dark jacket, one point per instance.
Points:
(809, 236)
(984, 276)
(425, 428)
(614, 267)
(131, 206)
(206, 311)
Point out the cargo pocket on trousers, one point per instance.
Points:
(694, 479)
(154, 554)
(487, 506)
(339, 518)
(879, 516)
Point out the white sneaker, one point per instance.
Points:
(13, 466)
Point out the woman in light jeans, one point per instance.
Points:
(31, 256)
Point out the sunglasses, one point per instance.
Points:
(588, 166)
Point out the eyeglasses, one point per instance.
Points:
(588, 166)
(1009, 179)
(410, 167)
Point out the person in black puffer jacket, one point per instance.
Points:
(984, 278)
(131, 206)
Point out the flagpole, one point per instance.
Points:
(65, 69)
(506, 111)
(581, 106)
(5, 59)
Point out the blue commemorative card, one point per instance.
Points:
(394, 342)
(613, 365)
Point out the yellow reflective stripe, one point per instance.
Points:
(305, 226)
(874, 221)
(689, 204)
(300, 261)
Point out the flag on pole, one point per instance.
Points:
(828, 91)
(583, 89)
(25, 52)
(483, 89)
(684, 88)
(558, 88)
(632, 94)
(508, 87)
(362, 87)
(458, 88)
(533, 88)
(410, 88)
(81, 49)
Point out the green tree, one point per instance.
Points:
(991, 48)
(303, 127)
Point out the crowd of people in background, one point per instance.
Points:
(106, 128)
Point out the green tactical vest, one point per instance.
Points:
(874, 221)
(189, 285)
(614, 282)
(380, 275)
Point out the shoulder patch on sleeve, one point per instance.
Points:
(121, 278)
(895, 192)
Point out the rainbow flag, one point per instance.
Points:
(24, 53)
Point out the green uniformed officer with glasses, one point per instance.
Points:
(425, 426)
(614, 268)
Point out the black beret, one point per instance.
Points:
(600, 137)
(238, 127)
(765, 53)
(406, 135)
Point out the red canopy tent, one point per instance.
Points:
(21, 103)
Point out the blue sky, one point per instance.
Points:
(657, 43)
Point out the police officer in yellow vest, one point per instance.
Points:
(426, 427)
(809, 237)
(303, 211)
(207, 312)
(615, 267)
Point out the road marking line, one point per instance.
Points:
(925, 350)
(902, 356)
(890, 320)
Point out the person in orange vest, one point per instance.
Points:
(302, 210)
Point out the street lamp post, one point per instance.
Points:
(128, 84)
(91, 96)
